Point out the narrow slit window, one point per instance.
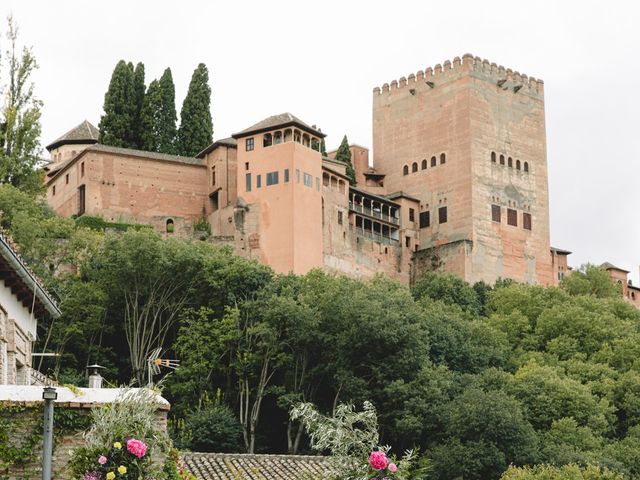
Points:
(247, 179)
(493, 157)
(443, 159)
(414, 167)
(412, 215)
(286, 175)
(433, 161)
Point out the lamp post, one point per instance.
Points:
(49, 394)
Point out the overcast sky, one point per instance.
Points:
(320, 61)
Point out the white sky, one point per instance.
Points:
(320, 61)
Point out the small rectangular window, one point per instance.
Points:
(526, 221)
(246, 166)
(339, 218)
(81, 199)
(407, 241)
(297, 176)
(512, 217)
(495, 213)
(249, 144)
(308, 180)
(66, 179)
(286, 175)
(317, 184)
(82, 169)
(258, 181)
(412, 215)
(247, 178)
(425, 219)
(442, 215)
(272, 178)
(53, 190)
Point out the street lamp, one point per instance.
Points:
(49, 394)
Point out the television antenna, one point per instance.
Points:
(154, 362)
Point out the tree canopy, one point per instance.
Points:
(344, 155)
(196, 127)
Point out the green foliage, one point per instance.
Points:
(138, 99)
(566, 472)
(99, 224)
(117, 124)
(591, 280)
(19, 118)
(196, 128)
(213, 428)
(344, 155)
(449, 289)
(158, 117)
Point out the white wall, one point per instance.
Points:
(16, 311)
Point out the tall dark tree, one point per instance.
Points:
(119, 108)
(158, 117)
(138, 96)
(20, 119)
(344, 155)
(196, 127)
(323, 148)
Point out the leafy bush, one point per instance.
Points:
(213, 428)
(566, 472)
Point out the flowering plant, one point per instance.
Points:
(384, 468)
(122, 460)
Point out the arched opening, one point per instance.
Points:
(315, 144)
(305, 140)
(414, 167)
(433, 161)
(170, 226)
(493, 157)
(518, 165)
(267, 140)
(334, 183)
(405, 170)
(325, 179)
(443, 158)
(501, 159)
(510, 162)
(526, 166)
(288, 135)
(341, 187)
(424, 164)
(277, 138)
(297, 136)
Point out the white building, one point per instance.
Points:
(23, 301)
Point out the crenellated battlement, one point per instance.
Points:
(504, 78)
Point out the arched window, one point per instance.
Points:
(424, 164)
(414, 167)
(443, 158)
(517, 164)
(277, 138)
(493, 157)
(297, 136)
(501, 159)
(305, 140)
(510, 162)
(405, 170)
(267, 140)
(288, 133)
(170, 225)
(433, 161)
(526, 166)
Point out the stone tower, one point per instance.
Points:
(467, 138)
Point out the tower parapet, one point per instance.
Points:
(504, 78)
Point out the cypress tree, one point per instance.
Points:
(344, 155)
(138, 96)
(158, 117)
(196, 128)
(119, 108)
(323, 148)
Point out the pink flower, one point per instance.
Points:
(392, 467)
(91, 476)
(102, 460)
(136, 447)
(378, 460)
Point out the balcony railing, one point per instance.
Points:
(373, 213)
(376, 237)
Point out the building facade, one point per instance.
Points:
(458, 183)
(23, 301)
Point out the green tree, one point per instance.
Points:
(159, 116)
(20, 119)
(566, 472)
(138, 97)
(448, 288)
(116, 124)
(213, 428)
(323, 148)
(196, 128)
(591, 280)
(344, 155)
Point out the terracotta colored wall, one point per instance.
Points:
(464, 115)
(290, 224)
(133, 189)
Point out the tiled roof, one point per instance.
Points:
(275, 121)
(608, 266)
(227, 142)
(83, 133)
(235, 466)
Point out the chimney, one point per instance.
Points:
(95, 379)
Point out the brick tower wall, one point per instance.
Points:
(458, 110)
